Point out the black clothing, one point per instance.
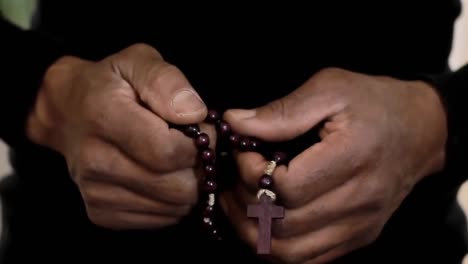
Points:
(227, 52)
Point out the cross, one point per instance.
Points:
(265, 211)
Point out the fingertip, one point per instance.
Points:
(251, 167)
(237, 119)
(188, 107)
(234, 115)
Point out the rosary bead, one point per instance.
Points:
(266, 182)
(279, 158)
(208, 160)
(244, 144)
(208, 156)
(254, 144)
(212, 117)
(208, 212)
(202, 141)
(210, 186)
(192, 131)
(224, 129)
(210, 171)
(208, 223)
(234, 139)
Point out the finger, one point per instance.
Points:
(334, 253)
(100, 161)
(237, 215)
(106, 196)
(119, 220)
(343, 249)
(160, 85)
(321, 242)
(287, 117)
(320, 168)
(349, 200)
(144, 136)
(300, 248)
(313, 216)
(251, 169)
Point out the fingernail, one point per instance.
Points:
(187, 102)
(242, 114)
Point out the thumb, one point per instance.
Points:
(282, 119)
(160, 85)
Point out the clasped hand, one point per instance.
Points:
(109, 119)
(340, 192)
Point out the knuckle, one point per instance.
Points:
(279, 107)
(35, 131)
(375, 196)
(334, 80)
(368, 236)
(186, 192)
(93, 162)
(165, 157)
(329, 74)
(142, 48)
(161, 72)
(91, 197)
(101, 218)
(373, 235)
(88, 167)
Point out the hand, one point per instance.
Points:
(340, 192)
(108, 119)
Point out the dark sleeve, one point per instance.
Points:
(24, 58)
(453, 90)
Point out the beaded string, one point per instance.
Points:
(208, 161)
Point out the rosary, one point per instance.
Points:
(265, 210)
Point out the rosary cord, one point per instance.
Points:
(208, 158)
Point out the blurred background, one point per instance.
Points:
(19, 12)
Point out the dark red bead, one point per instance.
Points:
(254, 144)
(266, 182)
(208, 224)
(224, 129)
(202, 141)
(210, 171)
(210, 186)
(234, 139)
(244, 143)
(208, 212)
(192, 131)
(208, 156)
(212, 117)
(280, 158)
